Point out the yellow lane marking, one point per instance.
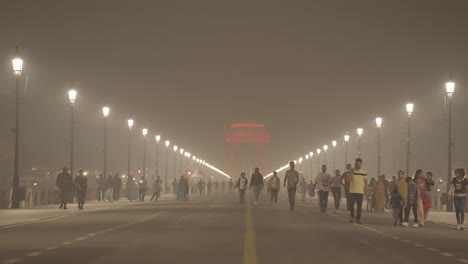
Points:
(250, 248)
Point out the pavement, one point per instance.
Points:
(216, 229)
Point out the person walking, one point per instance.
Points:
(64, 183)
(292, 179)
(413, 198)
(143, 186)
(323, 182)
(157, 187)
(117, 185)
(129, 186)
(379, 194)
(174, 187)
(223, 186)
(231, 185)
(370, 195)
(209, 185)
(81, 186)
(256, 183)
(216, 185)
(457, 191)
(302, 186)
(424, 202)
(336, 185)
(275, 184)
(402, 186)
(346, 177)
(100, 187)
(431, 190)
(396, 202)
(357, 189)
(200, 186)
(109, 189)
(241, 185)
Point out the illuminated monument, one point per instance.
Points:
(248, 147)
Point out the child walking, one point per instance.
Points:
(397, 205)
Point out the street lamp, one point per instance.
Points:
(158, 139)
(409, 110)
(17, 69)
(311, 154)
(360, 131)
(144, 131)
(130, 125)
(334, 155)
(449, 89)
(175, 160)
(346, 140)
(167, 143)
(105, 113)
(325, 148)
(378, 123)
(181, 151)
(72, 96)
(318, 159)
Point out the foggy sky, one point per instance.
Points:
(309, 70)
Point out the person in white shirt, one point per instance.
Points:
(274, 187)
(292, 178)
(242, 186)
(323, 182)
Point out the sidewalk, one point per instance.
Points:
(14, 217)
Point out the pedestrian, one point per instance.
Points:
(275, 184)
(424, 202)
(134, 191)
(143, 187)
(129, 187)
(200, 186)
(231, 185)
(209, 185)
(182, 189)
(292, 179)
(370, 195)
(157, 186)
(397, 205)
(109, 189)
(311, 189)
(412, 204)
(357, 189)
(430, 189)
(336, 185)
(458, 190)
(323, 182)
(346, 177)
(302, 186)
(256, 183)
(241, 185)
(402, 187)
(387, 192)
(379, 194)
(117, 185)
(81, 186)
(391, 185)
(216, 185)
(100, 187)
(174, 187)
(223, 186)
(64, 183)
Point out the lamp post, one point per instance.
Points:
(325, 148)
(72, 96)
(318, 160)
(175, 160)
(181, 151)
(167, 143)
(450, 89)
(409, 110)
(378, 123)
(144, 131)
(346, 140)
(311, 154)
(130, 125)
(305, 165)
(105, 113)
(360, 131)
(334, 155)
(17, 69)
(158, 139)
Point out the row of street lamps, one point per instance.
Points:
(449, 89)
(17, 64)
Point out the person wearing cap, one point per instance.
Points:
(64, 183)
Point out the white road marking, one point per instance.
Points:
(406, 241)
(34, 254)
(10, 261)
(67, 243)
(396, 238)
(445, 254)
(463, 260)
(52, 248)
(418, 245)
(433, 249)
(80, 238)
(91, 235)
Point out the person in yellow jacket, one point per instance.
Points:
(402, 188)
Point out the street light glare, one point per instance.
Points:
(175, 148)
(72, 94)
(378, 122)
(311, 154)
(130, 123)
(450, 88)
(360, 131)
(158, 138)
(105, 111)
(307, 156)
(318, 151)
(168, 143)
(334, 143)
(346, 138)
(181, 151)
(17, 66)
(144, 131)
(325, 147)
(409, 108)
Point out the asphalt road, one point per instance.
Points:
(216, 229)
